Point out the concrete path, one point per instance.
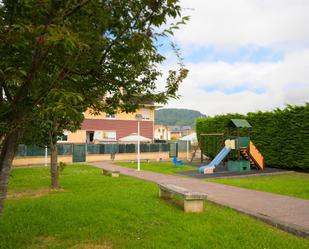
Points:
(288, 213)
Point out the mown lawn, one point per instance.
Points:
(294, 184)
(164, 167)
(96, 211)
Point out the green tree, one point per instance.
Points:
(102, 50)
(62, 111)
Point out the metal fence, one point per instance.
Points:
(67, 149)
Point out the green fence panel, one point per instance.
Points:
(64, 149)
(131, 148)
(93, 148)
(144, 147)
(182, 145)
(173, 150)
(164, 147)
(67, 149)
(79, 152)
(110, 148)
(101, 148)
(21, 150)
(154, 147)
(33, 150)
(121, 148)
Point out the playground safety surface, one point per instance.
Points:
(222, 172)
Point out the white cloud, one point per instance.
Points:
(284, 82)
(226, 25)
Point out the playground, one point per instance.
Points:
(241, 153)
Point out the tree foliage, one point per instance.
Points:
(102, 51)
(282, 135)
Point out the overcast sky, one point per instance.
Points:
(243, 55)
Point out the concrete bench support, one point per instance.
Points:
(193, 202)
(112, 173)
(193, 206)
(165, 194)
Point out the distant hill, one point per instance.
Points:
(180, 117)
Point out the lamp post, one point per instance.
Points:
(138, 117)
(187, 145)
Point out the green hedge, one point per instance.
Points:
(282, 136)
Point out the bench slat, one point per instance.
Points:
(187, 194)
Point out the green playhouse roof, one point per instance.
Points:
(239, 123)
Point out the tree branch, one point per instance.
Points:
(135, 19)
(74, 9)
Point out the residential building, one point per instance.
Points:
(177, 132)
(106, 128)
(161, 132)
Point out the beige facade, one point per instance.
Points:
(146, 112)
(107, 128)
(162, 132)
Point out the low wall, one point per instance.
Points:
(154, 156)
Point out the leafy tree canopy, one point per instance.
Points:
(92, 48)
(99, 52)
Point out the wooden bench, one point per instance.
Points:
(193, 202)
(112, 173)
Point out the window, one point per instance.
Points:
(98, 135)
(109, 135)
(146, 114)
(111, 116)
(63, 137)
(90, 135)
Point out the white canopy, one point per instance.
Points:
(134, 138)
(191, 137)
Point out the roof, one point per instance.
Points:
(239, 123)
(174, 128)
(191, 137)
(134, 138)
(160, 125)
(177, 128)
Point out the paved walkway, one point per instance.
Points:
(288, 213)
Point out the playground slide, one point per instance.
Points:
(217, 160)
(257, 156)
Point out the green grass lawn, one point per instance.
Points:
(294, 184)
(164, 167)
(96, 211)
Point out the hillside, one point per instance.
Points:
(180, 117)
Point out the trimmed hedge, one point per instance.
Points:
(282, 136)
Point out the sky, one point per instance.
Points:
(242, 55)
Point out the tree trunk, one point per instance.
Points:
(7, 154)
(54, 173)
